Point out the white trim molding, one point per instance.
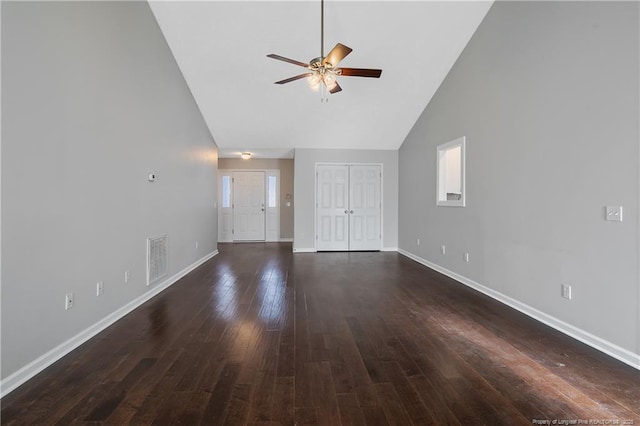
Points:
(304, 250)
(13, 381)
(595, 342)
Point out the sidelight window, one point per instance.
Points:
(226, 191)
(272, 191)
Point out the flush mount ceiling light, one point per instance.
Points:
(323, 70)
(245, 155)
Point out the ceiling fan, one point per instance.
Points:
(323, 70)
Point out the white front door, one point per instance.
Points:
(333, 207)
(248, 206)
(349, 207)
(364, 207)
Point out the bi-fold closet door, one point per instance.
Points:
(348, 207)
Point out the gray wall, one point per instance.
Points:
(92, 101)
(547, 95)
(304, 191)
(286, 184)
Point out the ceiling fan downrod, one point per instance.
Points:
(321, 29)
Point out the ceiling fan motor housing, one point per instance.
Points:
(316, 63)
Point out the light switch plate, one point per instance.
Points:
(566, 291)
(614, 213)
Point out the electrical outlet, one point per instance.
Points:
(99, 288)
(566, 291)
(68, 301)
(465, 257)
(614, 213)
(126, 276)
(417, 241)
(443, 249)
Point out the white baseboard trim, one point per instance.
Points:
(18, 378)
(312, 250)
(304, 250)
(279, 240)
(611, 349)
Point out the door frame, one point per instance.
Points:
(270, 236)
(315, 199)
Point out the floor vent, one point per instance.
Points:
(157, 260)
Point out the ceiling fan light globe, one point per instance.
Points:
(314, 81)
(330, 80)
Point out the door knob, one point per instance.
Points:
(262, 209)
(346, 212)
(351, 211)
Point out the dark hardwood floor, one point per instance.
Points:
(260, 336)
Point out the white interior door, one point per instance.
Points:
(248, 206)
(349, 207)
(365, 207)
(332, 207)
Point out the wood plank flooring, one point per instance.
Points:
(259, 336)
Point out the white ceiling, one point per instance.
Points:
(221, 48)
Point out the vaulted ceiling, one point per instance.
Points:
(221, 48)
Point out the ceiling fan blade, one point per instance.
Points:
(337, 54)
(360, 72)
(297, 77)
(291, 61)
(335, 89)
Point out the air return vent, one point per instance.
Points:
(157, 260)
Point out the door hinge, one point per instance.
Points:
(316, 236)
(233, 231)
(233, 179)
